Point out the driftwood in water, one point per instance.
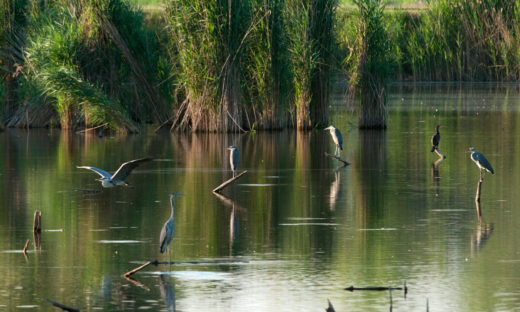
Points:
(345, 163)
(61, 306)
(139, 268)
(219, 188)
(156, 262)
(37, 224)
(93, 128)
(373, 288)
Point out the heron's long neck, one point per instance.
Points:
(173, 209)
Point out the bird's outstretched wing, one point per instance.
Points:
(101, 172)
(124, 171)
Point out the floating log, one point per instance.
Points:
(156, 262)
(37, 225)
(373, 288)
(61, 306)
(219, 188)
(127, 274)
(345, 163)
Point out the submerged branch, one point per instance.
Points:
(61, 306)
(139, 268)
(219, 188)
(345, 163)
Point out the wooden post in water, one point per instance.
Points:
(345, 163)
(37, 225)
(477, 198)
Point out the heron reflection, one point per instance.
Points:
(335, 190)
(167, 292)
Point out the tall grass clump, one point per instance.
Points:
(371, 73)
(12, 19)
(464, 40)
(266, 76)
(210, 38)
(309, 27)
(93, 62)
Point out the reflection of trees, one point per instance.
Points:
(370, 178)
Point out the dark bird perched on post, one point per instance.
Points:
(108, 180)
(435, 139)
(337, 138)
(481, 161)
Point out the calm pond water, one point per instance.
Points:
(292, 233)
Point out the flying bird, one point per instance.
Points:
(337, 138)
(233, 158)
(118, 178)
(435, 139)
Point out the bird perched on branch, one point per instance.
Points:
(435, 139)
(233, 158)
(118, 178)
(481, 161)
(337, 138)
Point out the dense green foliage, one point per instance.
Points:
(235, 65)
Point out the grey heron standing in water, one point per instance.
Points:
(233, 158)
(118, 178)
(481, 161)
(337, 138)
(168, 230)
(435, 139)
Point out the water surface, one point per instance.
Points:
(292, 233)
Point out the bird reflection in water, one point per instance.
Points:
(167, 291)
(436, 179)
(482, 234)
(335, 190)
